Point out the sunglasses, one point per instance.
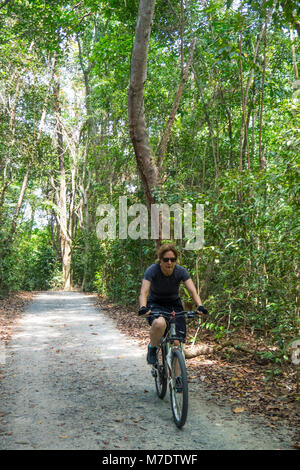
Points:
(165, 260)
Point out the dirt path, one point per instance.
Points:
(73, 381)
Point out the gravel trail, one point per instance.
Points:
(73, 381)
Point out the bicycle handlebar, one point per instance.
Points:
(186, 314)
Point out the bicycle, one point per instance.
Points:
(170, 367)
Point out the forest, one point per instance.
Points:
(167, 101)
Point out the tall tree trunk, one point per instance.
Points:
(146, 164)
(85, 220)
(262, 162)
(26, 177)
(147, 167)
(66, 250)
(19, 204)
(243, 102)
(294, 56)
(86, 174)
(149, 171)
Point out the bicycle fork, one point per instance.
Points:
(169, 356)
(169, 365)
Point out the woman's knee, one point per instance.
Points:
(159, 324)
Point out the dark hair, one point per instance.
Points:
(164, 248)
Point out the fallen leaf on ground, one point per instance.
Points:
(239, 410)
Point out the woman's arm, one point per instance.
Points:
(193, 292)
(144, 292)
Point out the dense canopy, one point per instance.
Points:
(221, 118)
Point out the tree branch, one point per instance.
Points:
(164, 141)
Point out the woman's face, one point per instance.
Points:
(167, 262)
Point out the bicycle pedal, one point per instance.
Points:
(153, 372)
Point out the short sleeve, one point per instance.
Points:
(185, 275)
(148, 274)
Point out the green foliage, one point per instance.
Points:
(247, 270)
(251, 250)
(29, 265)
(39, 261)
(123, 265)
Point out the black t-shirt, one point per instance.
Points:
(165, 288)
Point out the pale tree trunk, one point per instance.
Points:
(66, 250)
(294, 56)
(243, 102)
(10, 104)
(19, 204)
(84, 216)
(74, 150)
(262, 162)
(26, 177)
(13, 109)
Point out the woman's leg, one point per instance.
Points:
(157, 331)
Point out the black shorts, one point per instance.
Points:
(179, 321)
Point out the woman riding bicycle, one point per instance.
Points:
(160, 291)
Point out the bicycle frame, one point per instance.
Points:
(165, 370)
(169, 339)
(170, 336)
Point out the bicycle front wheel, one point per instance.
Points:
(179, 388)
(161, 376)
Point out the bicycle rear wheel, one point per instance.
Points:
(161, 376)
(179, 388)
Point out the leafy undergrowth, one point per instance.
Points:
(228, 375)
(11, 309)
